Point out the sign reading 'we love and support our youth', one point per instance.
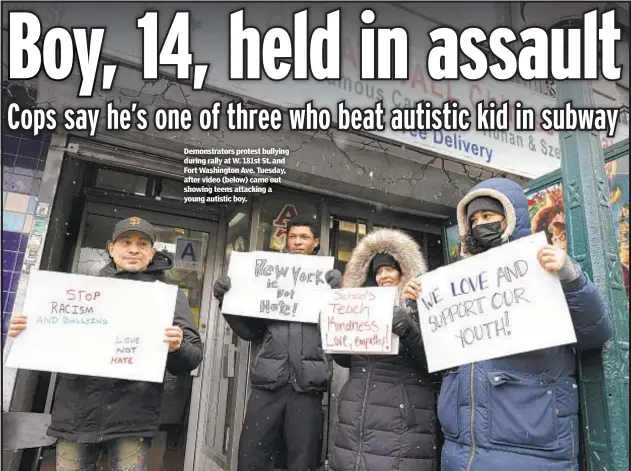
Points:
(95, 326)
(498, 303)
(278, 286)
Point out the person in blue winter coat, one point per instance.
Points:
(518, 413)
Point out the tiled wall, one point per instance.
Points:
(23, 160)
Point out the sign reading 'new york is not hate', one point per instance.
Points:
(492, 305)
(278, 286)
(95, 326)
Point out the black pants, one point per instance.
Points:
(269, 413)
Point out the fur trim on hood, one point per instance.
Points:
(398, 244)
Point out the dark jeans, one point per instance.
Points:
(123, 454)
(297, 415)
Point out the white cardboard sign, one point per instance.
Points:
(278, 286)
(495, 304)
(358, 321)
(95, 326)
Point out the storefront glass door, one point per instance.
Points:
(223, 391)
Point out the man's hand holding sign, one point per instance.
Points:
(173, 336)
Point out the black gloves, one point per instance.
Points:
(221, 287)
(223, 284)
(401, 321)
(333, 278)
(405, 325)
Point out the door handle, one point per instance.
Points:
(229, 360)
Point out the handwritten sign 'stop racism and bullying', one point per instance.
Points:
(277, 286)
(95, 326)
(492, 305)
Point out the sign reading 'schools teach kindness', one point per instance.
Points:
(95, 326)
(495, 304)
(278, 286)
(358, 320)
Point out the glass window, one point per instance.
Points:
(121, 181)
(275, 213)
(435, 251)
(452, 235)
(170, 189)
(547, 211)
(618, 179)
(344, 237)
(238, 237)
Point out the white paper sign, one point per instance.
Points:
(495, 304)
(279, 286)
(95, 326)
(359, 320)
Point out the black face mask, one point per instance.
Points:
(471, 245)
(488, 235)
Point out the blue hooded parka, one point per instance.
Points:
(520, 413)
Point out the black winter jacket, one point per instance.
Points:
(290, 353)
(90, 409)
(386, 418)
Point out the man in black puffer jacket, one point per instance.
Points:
(90, 411)
(289, 376)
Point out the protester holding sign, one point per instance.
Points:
(386, 414)
(518, 413)
(288, 375)
(123, 415)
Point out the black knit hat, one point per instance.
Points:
(383, 259)
(484, 203)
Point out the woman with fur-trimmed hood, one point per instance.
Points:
(386, 411)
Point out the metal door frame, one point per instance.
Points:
(212, 356)
(213, 370)
(213, 264)
(198, 403)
